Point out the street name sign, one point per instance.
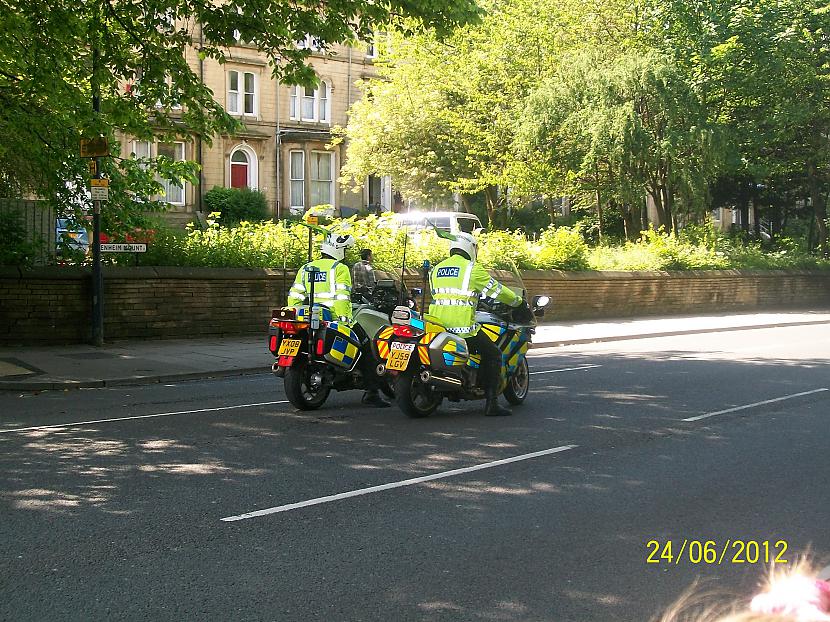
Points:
(123, 248)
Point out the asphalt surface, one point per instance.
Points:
(122, 519)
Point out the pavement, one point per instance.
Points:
(159, 361)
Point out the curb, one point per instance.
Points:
(671, 333)
(68, 385)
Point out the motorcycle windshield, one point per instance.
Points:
(511, 278)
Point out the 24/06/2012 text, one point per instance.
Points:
(713, 552)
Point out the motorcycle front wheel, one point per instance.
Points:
(415, 398)
(300, 392)
(518, 385)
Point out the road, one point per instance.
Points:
(112, 500)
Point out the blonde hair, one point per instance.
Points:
(792, 590)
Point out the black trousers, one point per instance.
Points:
(490, 362)
(367, 362)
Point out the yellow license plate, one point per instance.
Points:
(290, 347)
(399, 354)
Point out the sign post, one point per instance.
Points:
(94, 149)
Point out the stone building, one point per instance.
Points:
(285, 148)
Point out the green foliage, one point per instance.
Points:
(501, 249)
(611, 103)
(440, 119)
(236, 204)
(656, 250)
(269, 244)
(56, 54)
(562, 248)
(272, 245)
(16, 249)
(614, 130)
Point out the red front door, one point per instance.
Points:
(239, 175)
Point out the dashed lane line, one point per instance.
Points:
(170, 414)
(754, 404)
(399, 484)
(554, 371)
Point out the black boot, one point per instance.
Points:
(493, 409)
(372, 398)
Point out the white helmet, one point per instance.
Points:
(335, 245)
(466, 243)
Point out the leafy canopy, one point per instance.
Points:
(54, 54)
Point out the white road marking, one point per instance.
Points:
(737, 408)
(400, 484)
(554, 371)
(170, 414)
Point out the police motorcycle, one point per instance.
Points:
(315, 352)
(428, 363)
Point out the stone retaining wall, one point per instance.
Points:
(52, 305)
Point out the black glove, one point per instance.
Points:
(522, 313)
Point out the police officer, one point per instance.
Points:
(333, 289)
(457, 283)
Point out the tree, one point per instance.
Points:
(618, 130)
(54, 56)
(447, 112)
(761, 66)
(777, 103)
(441, 117)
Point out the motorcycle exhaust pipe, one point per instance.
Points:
(278, 371)
(380, 369)
(444, 381)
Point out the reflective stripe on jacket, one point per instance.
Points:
(457, 284)
(332, 287)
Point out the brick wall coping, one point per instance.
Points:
(172, 272)
(659, 274)
(143, 272)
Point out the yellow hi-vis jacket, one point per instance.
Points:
(332, 287)
(457, 284)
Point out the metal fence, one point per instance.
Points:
(38, 219)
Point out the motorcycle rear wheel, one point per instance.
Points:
(415, 398)
(298, 391)
(518, 385)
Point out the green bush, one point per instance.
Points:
(562, 248)
(270, 244)
(500, 250)
(15, 247)
(237, 204)
(656, 250)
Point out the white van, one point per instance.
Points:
(451, 222)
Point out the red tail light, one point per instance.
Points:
(292, 327)
(320, 346)
(285, 361)
(273, 344)
(402, 330)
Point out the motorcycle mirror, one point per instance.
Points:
(540, 302)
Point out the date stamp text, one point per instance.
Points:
(716, 552)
